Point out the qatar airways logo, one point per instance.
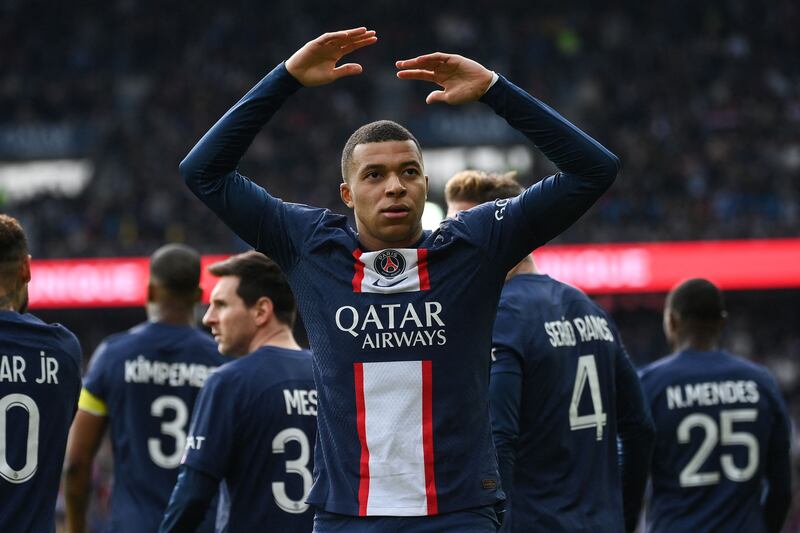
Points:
(394, 325)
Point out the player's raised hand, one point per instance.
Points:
(462, 80)
(315, 63)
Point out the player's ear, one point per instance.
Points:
(25, 269)
(346, 193)
(264, 310)
(673, 321)
(198, 295)
(151, 293)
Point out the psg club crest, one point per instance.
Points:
(390, 263)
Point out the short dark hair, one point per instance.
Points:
(13, 243)
(375, 132)
(176, 267)
(259, 276)
(697, 300)
(480, 187)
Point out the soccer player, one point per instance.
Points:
(40, 379)
(562, 391)
(722, 455)
(255, 421)
(399, 319)
(143, 382)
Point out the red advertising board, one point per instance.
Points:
(597, 269)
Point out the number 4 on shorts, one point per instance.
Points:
(587, 373)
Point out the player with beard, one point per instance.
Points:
(40, 379)
(255, 423)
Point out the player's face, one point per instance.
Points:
(232, 323)
(387, 190)
(458, 205)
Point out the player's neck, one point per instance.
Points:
(172, 316)
(279, 336)
(696, 344)
(9, 301)
(526, 266)
(372, 243)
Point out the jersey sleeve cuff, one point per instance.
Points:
(495, 89)
(92, 404)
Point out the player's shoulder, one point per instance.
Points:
(534, 293)
(266, 366)
(203, 344)
(319, 223)
(69, 343)
(54, 335)
(753, 370)
(123, 341)
(656, 370)
(472, 226)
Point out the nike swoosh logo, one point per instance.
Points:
(377, 283)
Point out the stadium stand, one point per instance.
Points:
(700, 100)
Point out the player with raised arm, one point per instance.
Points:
(143, 383)
(562, 392)
(255, 423)
(40, 379)
(399, 319)
(722, 456)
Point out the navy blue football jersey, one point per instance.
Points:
(399, 336)
(146, 381)
(579, 391)
(40, 379)
(254, 428)
(723, 431)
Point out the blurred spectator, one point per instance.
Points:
(701, 100)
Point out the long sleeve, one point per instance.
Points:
(210, 168)
(778, 470)
(505, 398)
(547, 208)
(636, 438)
(189, 502)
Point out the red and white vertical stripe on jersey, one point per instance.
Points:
(358, 277)
(414, 276)
(394, 412)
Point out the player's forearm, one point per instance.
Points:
(778, 496)
(77, 488)
(219, 151)
(569, 148)
(505, 392)
(189, 501)
(776, 505)
(635, 451)
(637, 435)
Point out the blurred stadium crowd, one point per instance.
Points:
(700, 99)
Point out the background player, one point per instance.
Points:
(562, 391)
(263, 402)
(721, 461)
(144, 383)
(400, 444)
(40, 379)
